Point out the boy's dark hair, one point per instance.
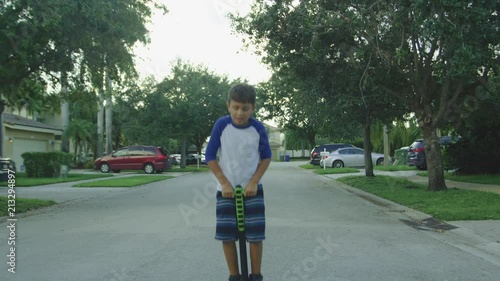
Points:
(243, 93)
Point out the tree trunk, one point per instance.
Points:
(109, 116)
(368, 151)
(183, 152)
(76, 152)
(433, 159)
(100, 123)
(64, 111)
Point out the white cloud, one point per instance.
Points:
(198, 32)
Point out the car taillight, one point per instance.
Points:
(419, 149)
(326, 156)
(315, 154)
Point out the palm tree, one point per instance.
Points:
(80, 131)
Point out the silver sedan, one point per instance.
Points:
(350, 157)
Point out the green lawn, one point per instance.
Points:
(446, 205)
(124, 181)
(192, 168)
(391, 168)
(23, 205)
(22, 179)
(335, 171)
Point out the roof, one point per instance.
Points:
(13, 119)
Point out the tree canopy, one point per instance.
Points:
(374, 58)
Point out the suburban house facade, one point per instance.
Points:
(22, 132)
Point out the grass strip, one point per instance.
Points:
(396, 168)
(23, 205)
(188, 169)
(22, 179)
(124, 181)
(335, 171)
(449, 205)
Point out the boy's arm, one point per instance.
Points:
(227, 189)
(251, 189)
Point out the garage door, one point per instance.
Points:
(24, 145)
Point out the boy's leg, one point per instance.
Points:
(231, 254)
(256, 257)
(226, 231)
(255, 226)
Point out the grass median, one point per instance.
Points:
(449, 205)
(124, 181)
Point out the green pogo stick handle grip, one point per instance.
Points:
(240, 211)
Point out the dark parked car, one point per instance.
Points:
(138, 157)
(315, 152)
(416, 152)
(6, 165)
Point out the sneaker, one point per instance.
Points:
(257, 277)
(234, 278)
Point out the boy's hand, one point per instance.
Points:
(227, 190)
(251, 189)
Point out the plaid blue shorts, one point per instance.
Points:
(255, 220)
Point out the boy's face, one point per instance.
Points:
(240, 112)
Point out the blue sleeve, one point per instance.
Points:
(264, 147)
(214, 142)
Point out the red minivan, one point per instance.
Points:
(138, 157)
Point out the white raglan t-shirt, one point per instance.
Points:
(240, 149)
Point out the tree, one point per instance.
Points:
(302, 41)
(429, 55)
(48, 40)
(182, 107)
(446, 51)
(477, 151)
(199, 96)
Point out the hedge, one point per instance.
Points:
(45, 164)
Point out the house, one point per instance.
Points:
(274, 136)
(21, 134)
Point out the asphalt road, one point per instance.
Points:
(316, 230)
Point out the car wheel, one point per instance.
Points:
(380, 161)
(105, 168)
(337, 164)
(149, 168)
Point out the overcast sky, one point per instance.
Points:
(198, 32)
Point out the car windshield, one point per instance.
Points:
(417, 144)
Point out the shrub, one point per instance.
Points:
(45, 164)
(89, 164)
(474, 157)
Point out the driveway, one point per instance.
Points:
(317, 230)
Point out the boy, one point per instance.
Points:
(244, 157)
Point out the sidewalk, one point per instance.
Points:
(460, 185)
